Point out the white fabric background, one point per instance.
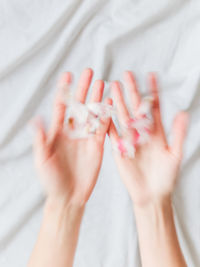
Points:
(38, 40)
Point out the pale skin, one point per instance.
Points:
(151, 176)
(61, 163)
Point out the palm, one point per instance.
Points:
(69, 160)
(154, 169)
(71, 166)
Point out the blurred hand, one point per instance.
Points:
(69, 168)
(152, 174)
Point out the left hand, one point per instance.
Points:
(152, 173)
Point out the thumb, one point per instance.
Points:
(179, 130)
(40, 136)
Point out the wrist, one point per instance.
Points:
(59, 233)
(157, 233)
(61, 205)
(61, 216)
(157, 208)
(144, 200)
(159, 204)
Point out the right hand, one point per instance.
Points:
(152, 174)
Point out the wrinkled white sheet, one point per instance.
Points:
(38, 40)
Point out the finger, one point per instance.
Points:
(40, 135)
(113, 134)
(179, 130)
(108, 101)
(132, 86)
(122, 110)
(97, 91)
(105, 122)
(83, 85)
(156, 114)
(64, 80)
(60, 104)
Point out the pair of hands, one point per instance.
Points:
(69, 168)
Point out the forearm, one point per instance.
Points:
(58, 235)
(158, 241)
